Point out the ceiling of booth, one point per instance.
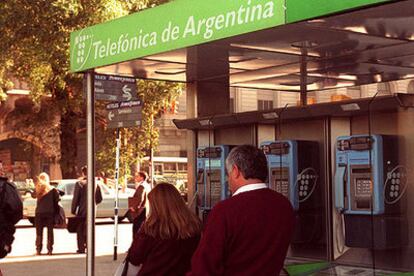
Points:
(360, 47)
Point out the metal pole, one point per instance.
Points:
(125, 159)
(304, 76)
(90, 216)
(118, 145)
(152, 154)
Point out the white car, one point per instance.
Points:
(103, 210)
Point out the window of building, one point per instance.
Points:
(182, 167)
(232, 109)
(169, 167)
(264, 105)
(158, 168)
(384, 88)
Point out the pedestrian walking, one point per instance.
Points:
(249, 233)
(11, 211)
(167, 239)
(79, 208)
(46, 205)
(138, 203)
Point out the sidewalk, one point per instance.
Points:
(58, 265)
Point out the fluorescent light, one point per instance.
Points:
(270, 115)
(357, 29)
(350, 107)
(205, 122)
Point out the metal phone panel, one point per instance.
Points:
(283, 168)
(364, 179)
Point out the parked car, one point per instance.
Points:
(103, 210)
(25, 188)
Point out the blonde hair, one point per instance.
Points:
(43, 185)
(169, 216)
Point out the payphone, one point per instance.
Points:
(212, 184)
(294, 172)
(369, 186)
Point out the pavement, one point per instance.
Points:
(59, 265)
(64, 261)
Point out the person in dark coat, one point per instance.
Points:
(249, 233)
(11, 211)
(167, 239)
(47, 202)
(138, 209)
(79, 208)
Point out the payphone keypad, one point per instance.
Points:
(395, 185)
(280, 181)
(306, 183)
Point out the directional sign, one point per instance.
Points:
(114, 88)
(124, 114)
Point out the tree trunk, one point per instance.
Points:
(68, 144)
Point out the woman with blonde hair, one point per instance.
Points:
(168, 238)
(47, 204)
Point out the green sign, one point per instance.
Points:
(183, 23)
(175, 25)
(298, 10)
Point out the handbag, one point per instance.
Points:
(60, 218)
(73, 223)
(127, 269)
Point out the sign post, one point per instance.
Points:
(118, 145)
(90, 214)
(122, 114)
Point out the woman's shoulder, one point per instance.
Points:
(52, 193)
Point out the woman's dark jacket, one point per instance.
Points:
(46, 205)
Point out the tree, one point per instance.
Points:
(34, 47)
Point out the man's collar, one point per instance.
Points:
(250, 187)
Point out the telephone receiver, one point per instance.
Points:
(340, 186)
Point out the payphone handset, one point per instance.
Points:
(211, 175)
(359, 182)
(286, 176)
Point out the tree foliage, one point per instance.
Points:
(34, 47)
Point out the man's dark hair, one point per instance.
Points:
(144, 175)
(250, 160)
(84, 170)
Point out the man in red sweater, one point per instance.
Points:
(249, 233)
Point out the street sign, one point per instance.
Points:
(114, 88)
(124, 114)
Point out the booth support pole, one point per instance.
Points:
(90, 216)
(304, 76)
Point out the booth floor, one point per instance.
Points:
(303, 268)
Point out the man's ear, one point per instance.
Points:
(236, 171)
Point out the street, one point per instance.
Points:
(64, 261)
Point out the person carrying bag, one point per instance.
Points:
(60, 217)
(47, 199)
